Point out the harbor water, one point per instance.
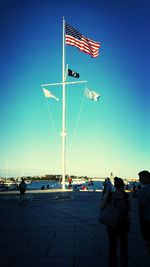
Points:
(97, 185)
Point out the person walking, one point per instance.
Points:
(22, 189)
(144, 207)
(118, 233)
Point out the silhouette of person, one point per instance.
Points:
(47, 186)
(22, 189)
(90, 183)
(90, 186)
(70, 182)
(144, 206)
(104, 187)
(108, 185)
(119, 232)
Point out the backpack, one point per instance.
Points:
(116, 210)
(122, 204)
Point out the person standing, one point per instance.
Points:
(108, 185)
(22, 189)
(70, 182)
(118, 233)
(90, 182)
(144, 206)
(104, 188)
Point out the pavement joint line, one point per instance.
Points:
(48, 249)
(83, 220)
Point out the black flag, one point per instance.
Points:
(73, 73)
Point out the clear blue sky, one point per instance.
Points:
(112, 135)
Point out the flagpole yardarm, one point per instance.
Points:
(52, 84)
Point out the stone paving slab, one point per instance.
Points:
(44, 262)
(91, 261)
(23, 251)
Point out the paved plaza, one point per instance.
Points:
(56, 228)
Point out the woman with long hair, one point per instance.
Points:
(118, 233)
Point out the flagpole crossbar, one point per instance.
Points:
(53, 84)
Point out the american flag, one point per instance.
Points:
(84, 44)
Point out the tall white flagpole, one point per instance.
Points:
(63, 83)
(63, 111)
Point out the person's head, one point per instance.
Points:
(119, 183)
(22, 180)
(144, 177)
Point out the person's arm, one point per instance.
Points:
(104, 201)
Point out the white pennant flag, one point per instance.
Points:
(47, 93)
(92, 94)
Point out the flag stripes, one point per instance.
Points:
(84, 44)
